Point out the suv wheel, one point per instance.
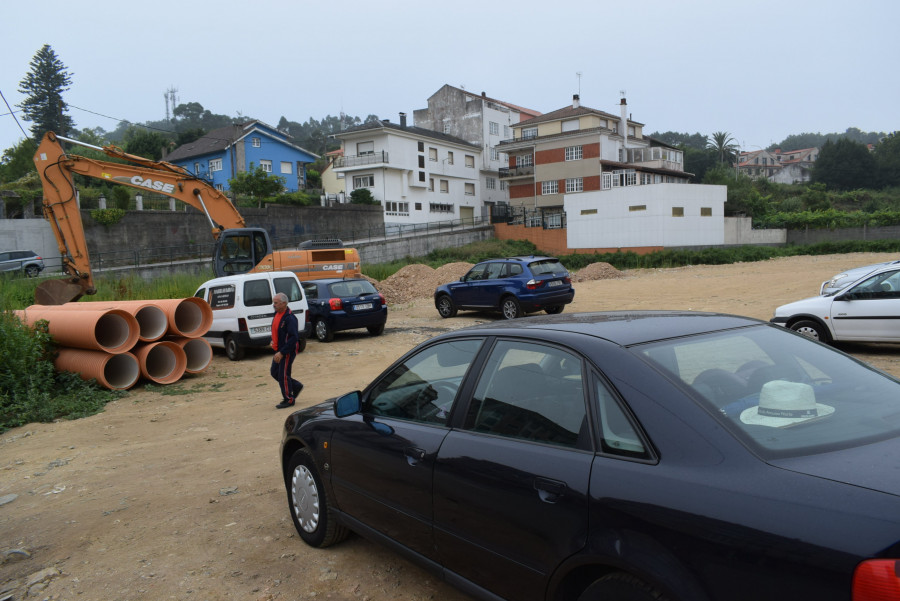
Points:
(510, 307)
(445, 306)
(32, 271)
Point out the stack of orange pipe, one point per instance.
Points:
(117, 342)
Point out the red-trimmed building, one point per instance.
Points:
(579, 149)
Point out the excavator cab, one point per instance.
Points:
(241, 250)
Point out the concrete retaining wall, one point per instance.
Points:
(808, 236)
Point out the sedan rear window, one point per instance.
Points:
(782, 393)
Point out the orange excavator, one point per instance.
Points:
(239, 249)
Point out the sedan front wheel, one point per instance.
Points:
(812, 329)
(310, 505)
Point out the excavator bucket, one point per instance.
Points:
(58, 292)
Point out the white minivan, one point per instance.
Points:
(242, 309)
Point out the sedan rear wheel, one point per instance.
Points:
(554, 310)
(510, 307)
(445, 306)
(621, 587)
(310, 505)
(323, 332)
(376, 330)
(812, 329)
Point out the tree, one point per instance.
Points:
(887, 160)
(17, 161)
(43, 86)
(256, 182)
(724, 145)
(844, 165)
(147, 144)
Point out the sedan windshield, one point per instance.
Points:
(781, 393)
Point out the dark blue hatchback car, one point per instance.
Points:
(336, 305)
(513, 286)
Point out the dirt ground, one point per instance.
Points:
(175, 493)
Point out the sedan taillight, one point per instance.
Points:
(877, 580)
(381, 296)
(334, 303)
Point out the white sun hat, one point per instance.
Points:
(783, 403)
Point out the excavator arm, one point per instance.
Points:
(56, 170)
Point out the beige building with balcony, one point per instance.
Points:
(579, 149)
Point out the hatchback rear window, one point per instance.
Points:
(546, 266)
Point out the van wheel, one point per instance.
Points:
(301, 344)
(234, 350)
(323, 332)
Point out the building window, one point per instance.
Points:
(570, 125)
(421, 176)
(220, 187)
(470, 189)
(215, 164)
(363, 181)
(196, 168)
(506, 132)
(392, 207)
(286, 167)
(503, 186)
(449, 158)
(588, 211)
(573, 153)
(677, 211)
(494, 128)
(418, 206)
(551, 187)
(440, 207)
(706, 211)
(637, 208)
(631, 130)
(445, 186)
(446, 127)
(470, 161)
(421, 162)
(604, 123)
(529, 133)
(490, 183)
(495, 154)
(432, 154)
(431, 184)
(254, 142)
(524, 160)
(421, 146)
(266, 165)
(630, 178)
(575, 184)
(364, 148)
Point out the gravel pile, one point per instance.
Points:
(597, 271)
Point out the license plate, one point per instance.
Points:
(261, 330)
(362, 307)
(554, 283)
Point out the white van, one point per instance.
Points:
(242, 309)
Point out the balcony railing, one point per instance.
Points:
(362, 159)
(521, 171)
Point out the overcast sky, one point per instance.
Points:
(759, 70)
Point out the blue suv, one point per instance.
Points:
(514, 286)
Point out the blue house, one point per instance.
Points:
(221, 153)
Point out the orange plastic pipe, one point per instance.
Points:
(152, 320)
(189, 317)
(162, 362)
(116, 372)
(197, 351)
(110, 330)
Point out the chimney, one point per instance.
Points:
(402, 119)
(576, 101)
(623, 128)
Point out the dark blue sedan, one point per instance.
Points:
(336, 305)
(636, 455)
(513, 286)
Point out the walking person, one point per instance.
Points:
(285, 341)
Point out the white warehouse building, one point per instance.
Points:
(642, 216)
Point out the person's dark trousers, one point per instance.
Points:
(281, 371)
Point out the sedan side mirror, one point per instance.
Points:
(349, 404)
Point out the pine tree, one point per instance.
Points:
(43, 86)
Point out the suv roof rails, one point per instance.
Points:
(323, 243)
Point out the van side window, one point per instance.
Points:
(201, 293)
(257, 293)
(289, 287)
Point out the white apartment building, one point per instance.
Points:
(479, 120)
(418, 175)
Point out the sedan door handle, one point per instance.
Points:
(414, 455)
(550, 491)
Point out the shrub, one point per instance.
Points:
(107, 217)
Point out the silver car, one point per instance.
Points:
(841, 280)
(26, 261)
